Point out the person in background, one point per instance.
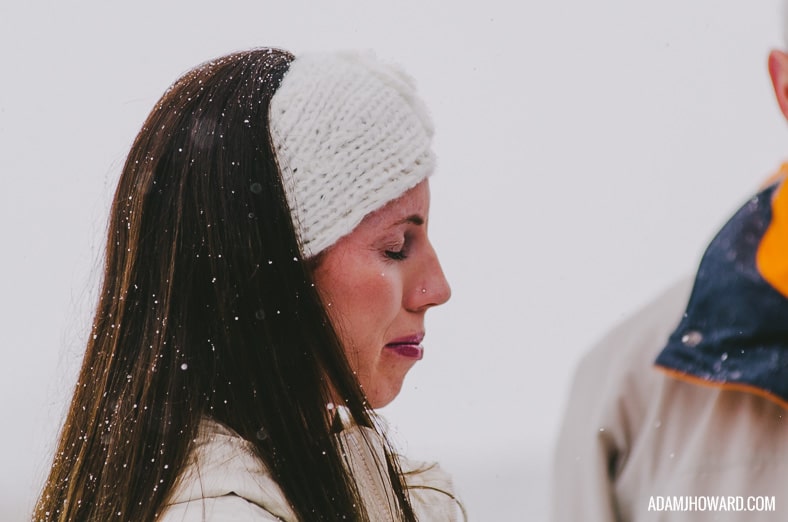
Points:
(267, 275)
(684, 403)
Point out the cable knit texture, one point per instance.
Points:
(350, 135)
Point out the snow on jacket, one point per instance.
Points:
(224, 480)
(664, 422)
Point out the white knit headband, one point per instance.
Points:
(350, 135)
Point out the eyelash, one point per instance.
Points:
(396, 255)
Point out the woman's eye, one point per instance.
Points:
(397, 255)
(398, 248)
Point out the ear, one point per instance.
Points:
(778, 70)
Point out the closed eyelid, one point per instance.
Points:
(397, 243)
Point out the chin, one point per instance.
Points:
(381, 398)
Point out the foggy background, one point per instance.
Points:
(587, 152)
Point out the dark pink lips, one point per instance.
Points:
(409, 346)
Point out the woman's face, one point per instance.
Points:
(378, 283)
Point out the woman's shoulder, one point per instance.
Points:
(226, 508)
(224, 479)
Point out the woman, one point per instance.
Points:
(267, 259)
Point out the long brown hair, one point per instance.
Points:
(206, 309)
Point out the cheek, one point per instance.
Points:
(369, 302)
(364, 309)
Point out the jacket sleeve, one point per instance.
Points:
(614, 386)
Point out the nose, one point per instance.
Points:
(431, 287)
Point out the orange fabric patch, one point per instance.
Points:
(772, 256)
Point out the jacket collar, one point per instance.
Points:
(734, 332)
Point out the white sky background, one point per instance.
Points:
(588, 151)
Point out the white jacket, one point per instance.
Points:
(633, 435)
(225, 481)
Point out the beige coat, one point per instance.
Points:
(633, 436)
(225, 481)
